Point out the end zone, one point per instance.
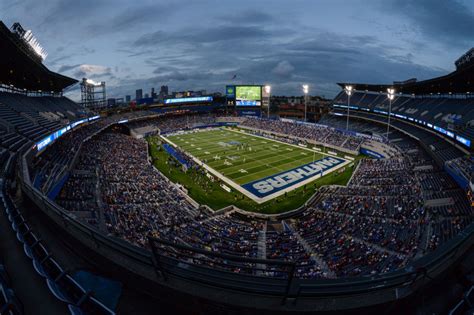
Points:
(270, 186)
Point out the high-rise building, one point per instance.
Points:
(128, 98)
(164, 90)
(153, 94)
(138, 94)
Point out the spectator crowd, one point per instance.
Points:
(378, 223)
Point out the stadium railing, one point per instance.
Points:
(222, 270)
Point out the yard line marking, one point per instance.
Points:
(256, 159)
(280, 168)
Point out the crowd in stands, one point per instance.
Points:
(441, 150)
(169, 123)
(306, 132)
(46, 167)
(376, 224)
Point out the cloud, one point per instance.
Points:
(202, 44)
(320, 60)
(283, 69)
(449, 22)
(65, 68)
(89, 71)
(219, 33)
(251, 16)
(133, 17)
(69, 13)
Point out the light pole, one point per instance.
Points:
(348, 89)
(305, 91)
(391, 96)
(268, 89)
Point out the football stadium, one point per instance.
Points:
(216, 204)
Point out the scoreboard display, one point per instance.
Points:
(248, 95)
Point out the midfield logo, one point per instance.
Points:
(264, 187)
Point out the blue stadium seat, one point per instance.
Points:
(48, 268)
(90, 305)
(57, 291)
(66, 289)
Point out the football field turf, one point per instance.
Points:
(258, 167)
(242, 157)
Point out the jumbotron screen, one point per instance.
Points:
(248, 95)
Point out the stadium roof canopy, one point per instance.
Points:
(460, 81)
(19, 67)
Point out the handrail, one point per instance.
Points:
(220, 255)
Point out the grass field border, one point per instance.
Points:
(247, 193)
(223, 201)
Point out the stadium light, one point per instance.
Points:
(391, 96)
(305, 88)
(348, 89)
(268, 90)
(92, 82)
(35, 45)
(305, 91)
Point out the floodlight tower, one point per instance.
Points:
(268, 90)
(391, 96)
(348, 89)
(89, 90)
(305, 91)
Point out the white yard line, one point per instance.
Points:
(260, 163)
(245, 192)
(228, 181)
(280, 168)
(292, 145)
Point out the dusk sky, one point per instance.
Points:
(202, 44)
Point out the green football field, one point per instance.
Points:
(243, 158)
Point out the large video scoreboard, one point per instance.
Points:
(245, 95)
